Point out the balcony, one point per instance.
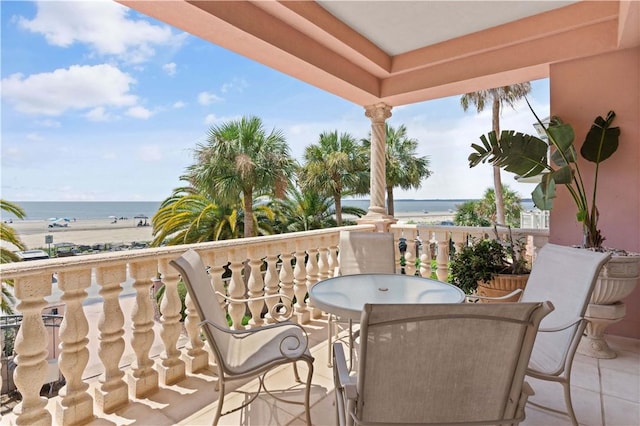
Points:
(125, 363)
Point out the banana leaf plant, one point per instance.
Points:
(527, 156)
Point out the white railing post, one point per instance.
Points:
(113, 391)
(75, 404)
(31, 349)
(143, 380)
(286, 271)
(300, 284)
(236, 288)
(271, 283)
(171, 368)
(255, 284)
(312, 278)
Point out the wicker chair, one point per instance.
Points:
(439, 364)
(242, 354)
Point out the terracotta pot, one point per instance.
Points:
(501, 285)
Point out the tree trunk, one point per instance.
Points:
(248, 214)
(390, 210)
(497, 180)
(338, 203)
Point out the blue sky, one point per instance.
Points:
(100, 103)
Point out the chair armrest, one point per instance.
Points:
(275, 312)
(345, 381)
(559, 327)
(477, 297)
(302, 344)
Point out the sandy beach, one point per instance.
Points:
(102, 231)
(98, 231)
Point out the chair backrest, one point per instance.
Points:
(440, 363)
(366, 253)
(204, 297)
(565, 276)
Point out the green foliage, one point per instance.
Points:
(182, 294)
(483, 212)
(526, 156)
(483, 258)
(469, 214)
(9, 236)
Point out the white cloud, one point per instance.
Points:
(78, 87)
(98, 114)
(150, 153)
(206, 98)
(49, 123)
(35, 137)
(139, 112)
(211, 119)
(237, 84)
(103, 25)
(170, 68)
(179, 104)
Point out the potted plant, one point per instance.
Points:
(490, 267)
(527, 156)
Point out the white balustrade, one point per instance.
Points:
(287, 264)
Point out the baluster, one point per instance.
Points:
(143, 380)
(312, 279)
(442, 259)
(236, 289)
(31, 349)
(112, 392)
(286, 273)
(75, 405)
(323, 259)
(271, 284)
(255, 285)
(333, 256)
(171, 368)
(300, 284)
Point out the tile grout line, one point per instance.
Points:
(602, 416)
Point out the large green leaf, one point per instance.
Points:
(524, 155)
(544, 193)
(601, 140)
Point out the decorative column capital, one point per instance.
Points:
(378, 113)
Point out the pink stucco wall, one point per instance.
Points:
(581, 90)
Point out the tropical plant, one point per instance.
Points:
(484, 258)
(512, 206)
(336, 166)
(10, 236)
(304, 210)
(241, 159)
(498, 97)
(188, 216)
(468, 214)
(527, 155)
(404, 168)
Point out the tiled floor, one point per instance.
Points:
(605, 392)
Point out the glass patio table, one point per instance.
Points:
(346, 295)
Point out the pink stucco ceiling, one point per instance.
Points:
(400, 52)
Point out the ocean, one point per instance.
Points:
(43, 210)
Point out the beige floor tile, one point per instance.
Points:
(624, 361)
(621, 384)
(585, 374)
(619, 412)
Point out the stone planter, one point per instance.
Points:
(501, 285)
(616, 281)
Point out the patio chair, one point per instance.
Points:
(439, 364)
(243, 354)
(360, 253)
(565, 276)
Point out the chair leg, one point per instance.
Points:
(566, 386)
(295, 372)
(220, 401)
(307, 393)
(330, 340)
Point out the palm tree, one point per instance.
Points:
(468, 214)
(335, 166)
(240, 158)
(512, 206)
(498, 97)
(9, 235)
(306, 210)
(403, 167)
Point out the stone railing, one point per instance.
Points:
(288, 264)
